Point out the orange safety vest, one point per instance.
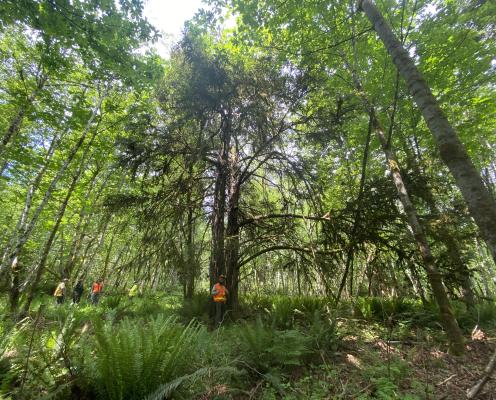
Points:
(97, 287)
(220, 297)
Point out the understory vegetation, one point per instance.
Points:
(289, 199)
(277, 347)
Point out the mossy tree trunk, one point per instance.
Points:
(481, 204)
(448, 319)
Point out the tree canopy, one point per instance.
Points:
(333, 149)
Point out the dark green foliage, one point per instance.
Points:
(96, 30)
(384, 308)
(166, 390)
(44, 348)
(385, 379)
(197, 307)
(140, 357)
(133, 358)
(111, 301)
(483, 315)
(322, 331)
(415, 313)
(147, 307)
(262, 347)
(285, 312)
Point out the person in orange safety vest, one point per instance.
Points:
(219, 296)
(96, 291)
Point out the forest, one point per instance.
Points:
(297, 202)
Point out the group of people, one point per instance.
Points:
(219, 294)
(77, 291)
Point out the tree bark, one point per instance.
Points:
(448, 319)
(48, 245)
(443, 234)
(16, 123)
(22, 221)
(84, 219)
(480, 203)
(233, 231)
(217, 260)
(191, 264)
(356, 223)
(25, 233)
(417, 282)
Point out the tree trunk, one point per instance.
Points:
(448, 320)
(444, 235)
(101, 232)
(233, 231)
(217, 260)
(461, 270)
(48, 245)
(109, 253)
(16, 123)
(480, 203)
(357, 219)
(24, 235)
(44, 256)
(84, 220)
(417, 282)
(22, 221)
(191, 264)
(123, 252)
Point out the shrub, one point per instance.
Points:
(483, 314)
(197, 307)
(285, 312)
(263, 347)
(147, 307)
(322, 331)
(386, 380)
(111, 301)
(132, 359)
(42, 350)
(383, 308)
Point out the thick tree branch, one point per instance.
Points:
(287, 247)
(257, 218)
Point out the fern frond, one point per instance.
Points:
(164, 391)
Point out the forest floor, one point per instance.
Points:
(273, 350)
(429, 365)
(369, 362)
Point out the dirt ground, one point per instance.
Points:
(460, 373)
(449, 376)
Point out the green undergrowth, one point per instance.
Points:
(414, 313)
(284, 312)
(130, 359)
(196, 308)
(278, 347)
(373, 379)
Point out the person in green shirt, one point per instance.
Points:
(133, 292)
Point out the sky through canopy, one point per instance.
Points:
(169, 16)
